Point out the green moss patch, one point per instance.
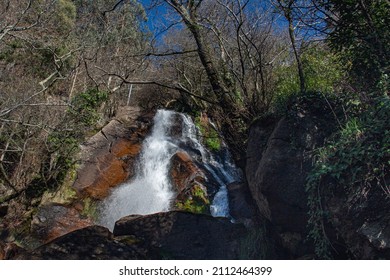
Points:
(197, 201)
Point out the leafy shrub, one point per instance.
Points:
(197, 201)
(84, 107)
(210, 135)
(358, 155)
(322, 70)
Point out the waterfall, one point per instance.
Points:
(150, 191)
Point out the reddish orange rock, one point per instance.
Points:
(108, 157)
(68, 223)
(108, 172)
(123, 147)
(52, 221)
(184, 172)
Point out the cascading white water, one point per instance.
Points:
(224, 171)
(151, 190)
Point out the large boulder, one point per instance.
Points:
(107, 158)
(242, 207)
(183, 235)
(169, 235)
(54, 220)
(90, 243)
(359, 219)
(279, 158)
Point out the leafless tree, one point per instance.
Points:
(50, 51)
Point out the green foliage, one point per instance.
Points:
(90, 209)
(65, 16)
(322, 70)
(210, 135)
(197, 201)
(362, 36)
(357, 156)
(84, 107)
(62, 145)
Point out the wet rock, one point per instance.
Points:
(107, 158)
(241, 205)
(176, 128)
(90, 243)
(52, 221)
(189, 182)
(184, 172)
(182, 235)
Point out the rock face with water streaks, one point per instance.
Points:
(106, 160)
(108, 157)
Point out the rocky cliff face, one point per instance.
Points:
(279, 158)
(359, 220)
(107, 159)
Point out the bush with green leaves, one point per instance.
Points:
(197, 201)
(360, 33)
(62, 143)
(85, 106)
(210, 135)
(322, 69)
(357, 156)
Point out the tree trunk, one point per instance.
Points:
(221, 91)
(302, 85)
(287, 12)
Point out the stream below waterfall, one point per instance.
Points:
(150, 190)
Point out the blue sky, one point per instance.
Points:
(156, 16)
